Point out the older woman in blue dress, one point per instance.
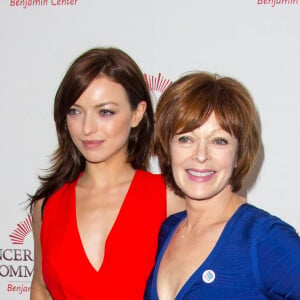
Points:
(222, 247)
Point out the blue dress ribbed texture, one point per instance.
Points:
(256, 257)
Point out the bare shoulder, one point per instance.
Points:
(37, 222)
(174, 202)
(38, 290)
(37, 211)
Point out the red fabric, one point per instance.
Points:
(130, 246)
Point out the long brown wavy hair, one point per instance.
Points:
(67, 162)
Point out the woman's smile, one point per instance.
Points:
(92, 144)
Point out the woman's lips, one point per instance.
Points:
(200, 175)
(92, 144)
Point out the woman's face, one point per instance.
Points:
(203, 160)
(99, 122)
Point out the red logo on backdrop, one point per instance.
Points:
(23, 228)
(16, 261)
(157, 83)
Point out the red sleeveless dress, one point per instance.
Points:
(129, 251)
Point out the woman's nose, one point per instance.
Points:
(201, 153)
(89, 125)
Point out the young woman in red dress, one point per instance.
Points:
(97, 213)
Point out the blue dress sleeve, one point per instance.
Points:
(277, 261)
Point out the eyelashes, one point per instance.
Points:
(187, 139)
(102, 112)
(106, 112)
(73, 111)
(184, 139)
(221, 141)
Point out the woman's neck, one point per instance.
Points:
(103, 174)
(218, 209)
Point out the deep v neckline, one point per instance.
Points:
(206, 263)
(112, 230)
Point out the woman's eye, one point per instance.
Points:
(221, 141)
(73, 111)
(184, 139)
(106, 112)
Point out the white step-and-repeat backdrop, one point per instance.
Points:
(255, 41)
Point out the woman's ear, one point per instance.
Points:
(138, 113)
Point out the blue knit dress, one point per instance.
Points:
(256, 257)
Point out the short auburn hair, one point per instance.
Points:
(188, 103)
